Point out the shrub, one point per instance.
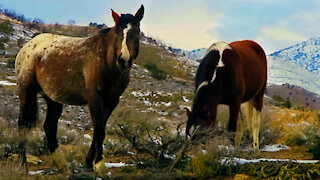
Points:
(6, 27)
(11, 62)
(156, 72)
(314, 149)
(280, 102)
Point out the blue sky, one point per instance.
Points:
(191, 24)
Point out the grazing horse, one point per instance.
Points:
(230, 74)
(77, 71)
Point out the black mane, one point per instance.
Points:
(207, 67)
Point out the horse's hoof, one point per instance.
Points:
(58, 160)
(99, 167)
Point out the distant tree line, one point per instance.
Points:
(20, 17)
(99, 26)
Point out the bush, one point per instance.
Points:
(156, 72)
(6, 27)
(314, 149)
(280, 102)
(11, 62)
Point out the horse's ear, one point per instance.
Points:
(115, 16)
(139, 13)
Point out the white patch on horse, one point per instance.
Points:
(204, 83)
(220, 47)
(124, 49)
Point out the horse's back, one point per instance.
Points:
(50, 61)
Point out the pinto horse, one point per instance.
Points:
(230, 74)
(77, 71)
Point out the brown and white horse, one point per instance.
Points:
(230, 74)
(67, 70)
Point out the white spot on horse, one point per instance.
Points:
(124, 49)
(220, 47)
(204, 83)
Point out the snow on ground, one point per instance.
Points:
(242, 161)
(274, 148)
(112, 165)
(36, 172)
(7, 83)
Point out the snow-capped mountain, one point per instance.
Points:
(297, 65)
(195, 54)
(305, 54)
(281, 71)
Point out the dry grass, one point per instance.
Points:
(13, 170)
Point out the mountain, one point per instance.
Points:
(297, 65)
(305, 54)
(195, 54)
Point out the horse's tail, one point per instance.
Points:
(30, 120)
(34, 112)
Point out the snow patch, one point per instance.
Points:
(36, 172)
(113, 165)
(242, 161)
(7, 83)
(274, 148)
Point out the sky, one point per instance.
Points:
(192, 24)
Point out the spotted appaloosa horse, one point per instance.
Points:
(78, 71)
(230, 74)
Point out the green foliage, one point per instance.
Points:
(277, 98)
(280, 102)
(11, 62)
(314, 149)
(155, 71)
(2, 41)
(6, 27)
(154, 55)
(20, 42)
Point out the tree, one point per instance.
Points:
(38, 21)
(71, 22)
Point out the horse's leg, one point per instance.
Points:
(50, 127)
(27, 116)
(96, 148)
(257, 104)
(95, 103)
(234, 109)
(239, 132)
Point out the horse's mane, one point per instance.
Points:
(206, 68)
(104, 31)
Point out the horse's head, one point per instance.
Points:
(202, 119)
(127, 28)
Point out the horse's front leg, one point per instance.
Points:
(96, 111)
(100, 112)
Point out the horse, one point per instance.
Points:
(230, 74)
(77, 71)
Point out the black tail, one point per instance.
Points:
(29, 117)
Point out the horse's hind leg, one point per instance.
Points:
(257, 104)
(50, 127)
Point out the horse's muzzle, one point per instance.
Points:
(124, 65)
